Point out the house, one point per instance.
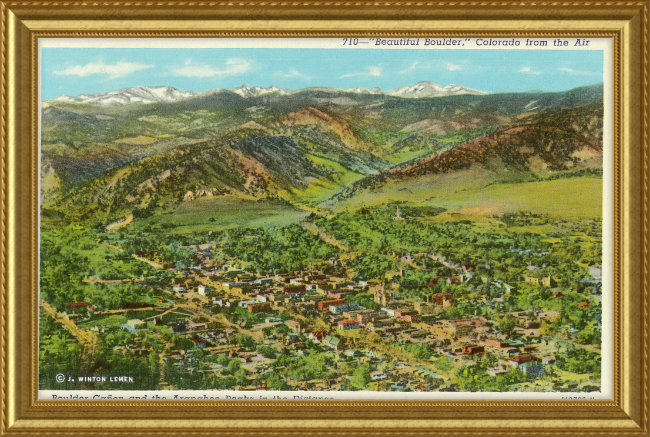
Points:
(341, 308)
(294, 325)
(462, 327)
(548, 360)
(367, 316)
(558, 294)
(378, 376)
(411, 318)
(179, 288)
(221, 302)
(324, 305)
(520, 360)
(348, 324)
(533, 369)
(295, 290)
(261, 307)
(317, 336)
(333, 342)
(408, 316)
(596, 273)
(584, 304)
(472, 349)
(203, 289)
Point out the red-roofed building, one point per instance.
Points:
(325, 305)
(473, 349)
(518, 360)
(348, 324)
(317, 336)
(263, 307)
(295, 290)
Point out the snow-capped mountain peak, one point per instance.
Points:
(430, 89)
(249, 91)
(138, 94)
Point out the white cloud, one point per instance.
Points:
(369, 71)
(413, 67)
(528, 70)
(233, 66)
(293, 74)
(577, 73)
(453, 67)
(113, 71)
(417, 65)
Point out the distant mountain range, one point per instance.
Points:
(143, 94)
(315, 149)
(139, 94)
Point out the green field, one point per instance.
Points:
(573, 198)
(217, 213)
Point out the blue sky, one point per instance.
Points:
(75, 71)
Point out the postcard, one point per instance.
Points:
(336, 218)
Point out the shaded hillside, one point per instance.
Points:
(551, 142)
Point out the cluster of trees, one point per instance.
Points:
(58, 352)
(366, 300)
(270, 250)
(475, 378)
(418, 350)
(312, 364)
(580, 360)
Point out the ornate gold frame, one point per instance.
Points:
(23, 22)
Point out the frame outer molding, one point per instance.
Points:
(20, 20)
(17, 231)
